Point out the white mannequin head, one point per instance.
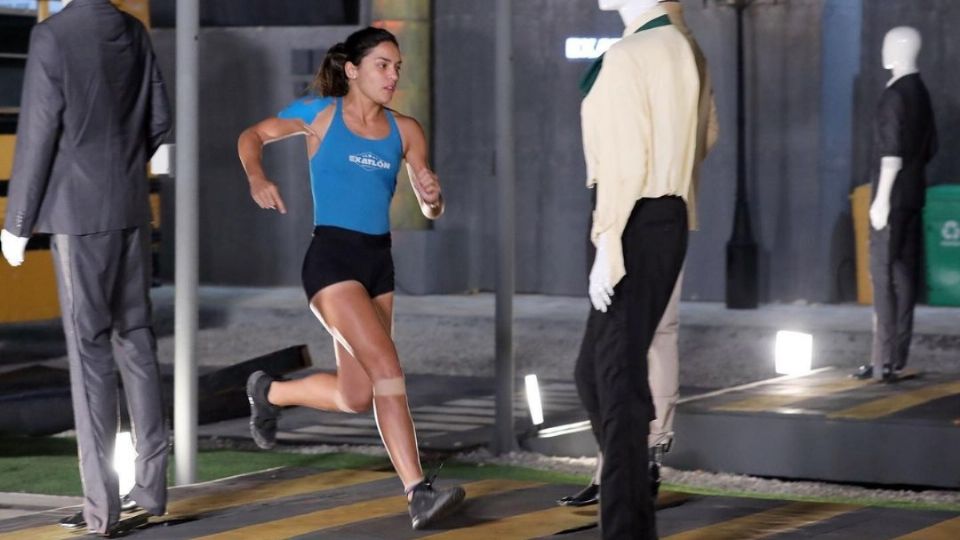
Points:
(629, 9)
(900, 48)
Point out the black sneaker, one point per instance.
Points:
(263, 415)
(428, 505)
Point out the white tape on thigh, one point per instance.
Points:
(341, 405)
(390, 387)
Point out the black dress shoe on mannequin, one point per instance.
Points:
(863, 372)
(77, 521)
(654, 479)
(585, 497)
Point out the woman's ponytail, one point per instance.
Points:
(331, 80)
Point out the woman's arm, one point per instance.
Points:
(250, 148)
(426, 185)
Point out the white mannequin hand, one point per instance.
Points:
(601, 288)
(13, 247)
(880, 208)
(879, 214)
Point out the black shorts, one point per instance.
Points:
(337, 255)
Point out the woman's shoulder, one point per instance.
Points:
(405, 122)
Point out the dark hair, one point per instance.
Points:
(331, 80)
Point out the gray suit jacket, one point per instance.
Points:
(94, 109)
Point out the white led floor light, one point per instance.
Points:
(124, 461)
(793, 354)
(533, 399)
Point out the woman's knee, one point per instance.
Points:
(380, 364)
(357, 401)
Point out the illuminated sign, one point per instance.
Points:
(30, 5)
(586, 48)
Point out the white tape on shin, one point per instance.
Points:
(389, 387)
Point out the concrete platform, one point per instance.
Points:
(827, 426)
(366, 504)
(822, 426)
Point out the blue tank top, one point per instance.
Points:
(352, 178)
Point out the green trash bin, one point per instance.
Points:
(941, 225)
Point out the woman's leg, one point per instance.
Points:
(349, 390)
(360, 325)
(393, 418)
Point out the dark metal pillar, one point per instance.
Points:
(504, 439)
(741, 249)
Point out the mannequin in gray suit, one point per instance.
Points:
(94, 110)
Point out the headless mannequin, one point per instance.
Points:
(905, 139)
(900, 48)
(601, 280)
(640, 229)
(14, 247)
(601, 291)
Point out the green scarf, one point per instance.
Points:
(590, 76)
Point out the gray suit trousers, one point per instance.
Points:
(104, 281)
(896, 255)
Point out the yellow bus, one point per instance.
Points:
(29, 293)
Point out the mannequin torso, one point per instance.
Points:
(900, 48)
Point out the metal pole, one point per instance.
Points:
(185, 278)
(504, 440)
(741, 249)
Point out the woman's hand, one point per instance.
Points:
(428, 185)
(266, 195)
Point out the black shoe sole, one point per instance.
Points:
(74, 522)
(580, 499)
(444, 509)
(261, 441)
(578, 504)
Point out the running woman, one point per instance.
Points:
(355, 146)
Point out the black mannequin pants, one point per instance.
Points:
(895, 261)
(611, 369)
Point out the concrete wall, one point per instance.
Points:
(812, 77)
(552, 201)
(783, 77)
(247, 74)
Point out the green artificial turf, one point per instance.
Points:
(48, 465)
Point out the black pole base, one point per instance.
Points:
(741, 275)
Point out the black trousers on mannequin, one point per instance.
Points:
(611, 369)
(896, 252)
